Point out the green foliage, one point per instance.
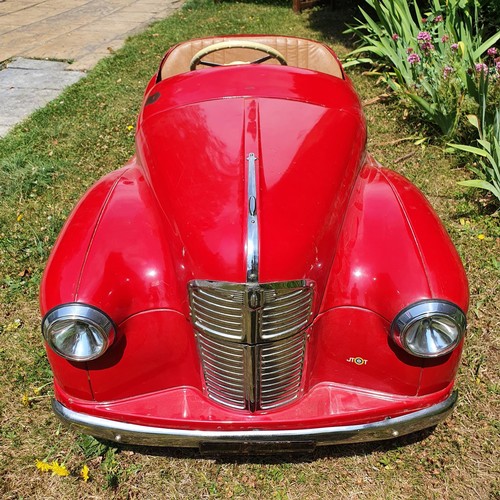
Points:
(111, 468)
(431, 58)
(91, 447)
(487, 167)
(21, 176)
(489, 15)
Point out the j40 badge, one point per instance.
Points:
(357, 361)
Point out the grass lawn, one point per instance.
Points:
(52, 158)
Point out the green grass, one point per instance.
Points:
(45, 166)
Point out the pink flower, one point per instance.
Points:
(445, 38)
(413, 58)
(424, 19)
(447, 71)
(438, 19)
(454, 47)
(409, 50)
(427, 46)
(424, 36)
(492, 51)
(497, 66)
(481, 68)
(395, 37)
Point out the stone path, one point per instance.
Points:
(28, 84)
(79, 31)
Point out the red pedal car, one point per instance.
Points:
(253, 277)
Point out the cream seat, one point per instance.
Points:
(298, 52)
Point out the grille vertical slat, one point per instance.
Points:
(223, 366)
(251, 339)
(285, 358)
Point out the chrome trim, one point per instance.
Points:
(280, 365)
(225, 370)
(251, 313)
(252, 222)
(79, 312)
(431, 309)
(123, 432)
(252, 377)
(251, 339)
(220, 310)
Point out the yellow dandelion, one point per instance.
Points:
(38, 390)
(481, 236)
(25, 399)
(14, 325)
(84, 473)
(43, 466)
(19, 217)
(59, 470)
(130, 127)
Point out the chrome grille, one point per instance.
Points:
(281, 371)
(251, 339)
(285, 312)
(223, 366)
(218, 311)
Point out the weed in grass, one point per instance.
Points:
(111, 468)
(91, 447)
(20, 177)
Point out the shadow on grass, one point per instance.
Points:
(330, 18)
(274, 457)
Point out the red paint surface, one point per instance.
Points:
(187, 408)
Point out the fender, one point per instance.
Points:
(385, 258)
(62, 274)
(384, 262)
(120, 260)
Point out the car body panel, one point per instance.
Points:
(187, 408)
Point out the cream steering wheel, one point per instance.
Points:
(236, 44)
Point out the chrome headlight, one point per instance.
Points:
(78, 332)
(430, 328)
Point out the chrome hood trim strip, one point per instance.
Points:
(123, 432)
(252, 222)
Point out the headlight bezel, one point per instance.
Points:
(85, 314)
(435, 310)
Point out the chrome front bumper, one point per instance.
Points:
(123, 432)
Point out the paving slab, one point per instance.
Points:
(35, 64)
(27, 84)
(36, 35)
(51, 77)
(21, 103)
